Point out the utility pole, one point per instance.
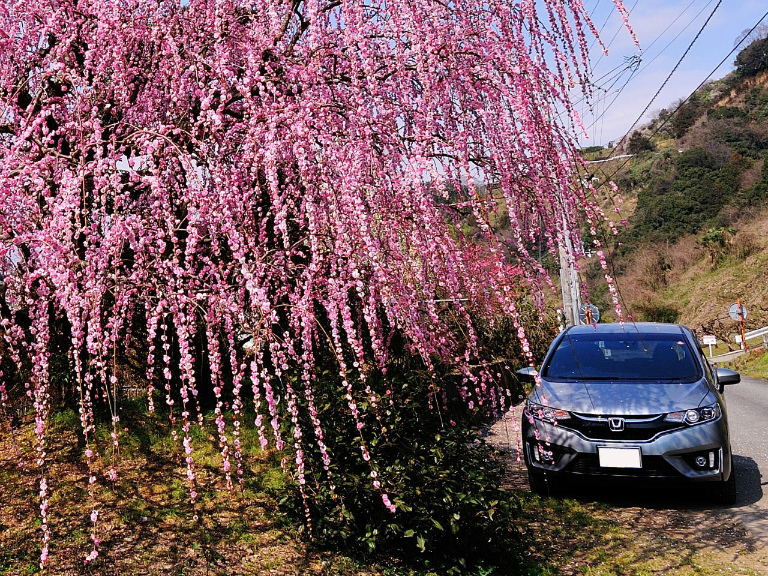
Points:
(569, 280)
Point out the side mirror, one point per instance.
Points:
(726, 376)
(527, 374)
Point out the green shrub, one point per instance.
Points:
(717, 241)
(638, 143)
(757, 194)
(656, 312)
(688, 199)
(429, 454)
(686, 115)
(725, 112)
(428, 451)
(756, 102)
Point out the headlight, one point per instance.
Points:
(545, 413)
(695, 415)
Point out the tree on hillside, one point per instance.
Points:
(639, 143)
(685, 115)
(753, 59)
(748, 36)
(249, 182)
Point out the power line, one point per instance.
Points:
(680, 61)
(631, 64)
(656, 131)
(658, 128)
(675, 20)
(637, 72)
(615, 34)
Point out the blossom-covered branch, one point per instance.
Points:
(283, 172)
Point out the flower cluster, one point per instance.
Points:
(283, 174)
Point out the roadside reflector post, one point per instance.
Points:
(738, 313)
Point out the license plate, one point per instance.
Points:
(619, 457)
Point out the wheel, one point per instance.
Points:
(725, 492)
(539, 484)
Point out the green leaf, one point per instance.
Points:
(421, 543)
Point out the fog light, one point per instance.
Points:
(703, 461)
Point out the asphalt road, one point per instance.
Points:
(747, 404)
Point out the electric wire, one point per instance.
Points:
(643, 67)
(661, 125)
(680, 61)
(630, 64)
(615, 34)
(675, 21)
(657, 129)
(665, 121)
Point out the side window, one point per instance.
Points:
(708, 372)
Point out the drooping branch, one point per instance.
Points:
(277, 173)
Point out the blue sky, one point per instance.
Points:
(665, 28)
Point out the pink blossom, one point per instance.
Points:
(278, 182)
(388, 503)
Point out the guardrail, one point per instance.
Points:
(760, 332)
(754, 334)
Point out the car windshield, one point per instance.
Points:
(595, 356)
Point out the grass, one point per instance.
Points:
(753, 364)
(147, 526)
(582, 537)
(146, 522)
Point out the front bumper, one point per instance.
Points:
(674, 454)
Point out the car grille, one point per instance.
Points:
(653, 467)
(632, 428)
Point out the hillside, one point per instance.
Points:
(696, 203)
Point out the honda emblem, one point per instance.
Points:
(616, 424)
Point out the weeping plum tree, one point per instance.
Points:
(277, 172)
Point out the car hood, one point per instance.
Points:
(625, 398)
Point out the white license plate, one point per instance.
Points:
(619, 457)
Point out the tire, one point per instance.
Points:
(539, 484)
(725, 492)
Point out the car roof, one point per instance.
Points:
(627, 327)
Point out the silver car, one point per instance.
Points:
(635, 400)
